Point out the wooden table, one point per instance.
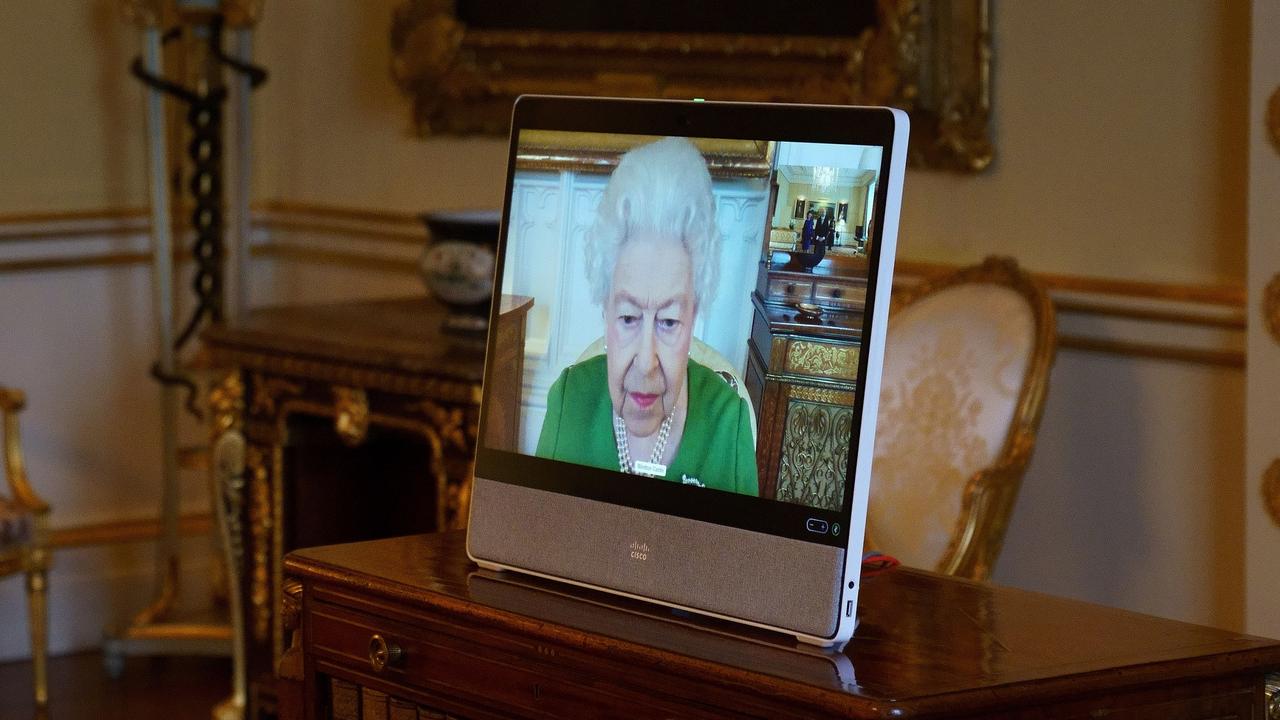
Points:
(460, 642)
(359, 420)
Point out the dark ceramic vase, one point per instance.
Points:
(458, 263)
(801, 260)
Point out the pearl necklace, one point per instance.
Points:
(652, 468)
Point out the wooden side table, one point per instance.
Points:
(408, 628)
(376, 380)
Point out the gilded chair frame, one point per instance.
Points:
(32, 556)
(990, 493)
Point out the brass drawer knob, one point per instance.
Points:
(383, 653)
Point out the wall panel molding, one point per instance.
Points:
(1157, 320)
(121, 531)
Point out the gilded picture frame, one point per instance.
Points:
(930, 58)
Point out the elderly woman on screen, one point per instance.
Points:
(645, 407)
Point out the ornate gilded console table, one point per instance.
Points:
(351, 421)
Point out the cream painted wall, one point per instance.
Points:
(1120, 155)
(68, 108)
(333, 128)
(1120, 145)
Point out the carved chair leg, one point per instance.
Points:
(38, 618)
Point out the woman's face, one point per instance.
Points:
(648, 326)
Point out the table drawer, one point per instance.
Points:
(446, 666)
(853, 297)
(787, 290)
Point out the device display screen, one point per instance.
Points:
(692, 315)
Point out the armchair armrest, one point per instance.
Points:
(11, 403)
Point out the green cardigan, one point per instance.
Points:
(716, 451)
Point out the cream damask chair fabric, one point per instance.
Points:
(966, 369)
(23, 538)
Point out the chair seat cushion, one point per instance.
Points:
(15, 525)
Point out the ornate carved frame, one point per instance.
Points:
(990, 493)
(930, 58)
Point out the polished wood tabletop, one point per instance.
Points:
(925, 643)
(397, 335)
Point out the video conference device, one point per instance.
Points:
(688, 429)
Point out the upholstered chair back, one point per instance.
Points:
(965, 371)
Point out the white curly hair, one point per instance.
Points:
(663, 188)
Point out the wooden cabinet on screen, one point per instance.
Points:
(802, 368)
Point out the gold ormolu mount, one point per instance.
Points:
(194, 62)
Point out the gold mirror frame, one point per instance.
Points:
(930, 58)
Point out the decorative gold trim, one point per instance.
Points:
(350, 415)
(341, 213)
(125, 531)
(282, 214)
(325, 218)
(1231, 295)
(261, 521)
(267, 392)
(382, 224)
(33, 557)
(932, 59)
(449, 423)
(277, 540)
(25, 227)
(12, 402)
(161, 605)
(226, 400)
(88, 260)
(825, 359)
(342, 258)
(181, 631)
(1222, 358)
(1271, 307)
(1232, 321)
(820, 395)
(990, 493)
(592, 152)
(1271, 490)
(449, 391)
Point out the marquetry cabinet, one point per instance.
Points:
(802, 367)
(359, 421)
